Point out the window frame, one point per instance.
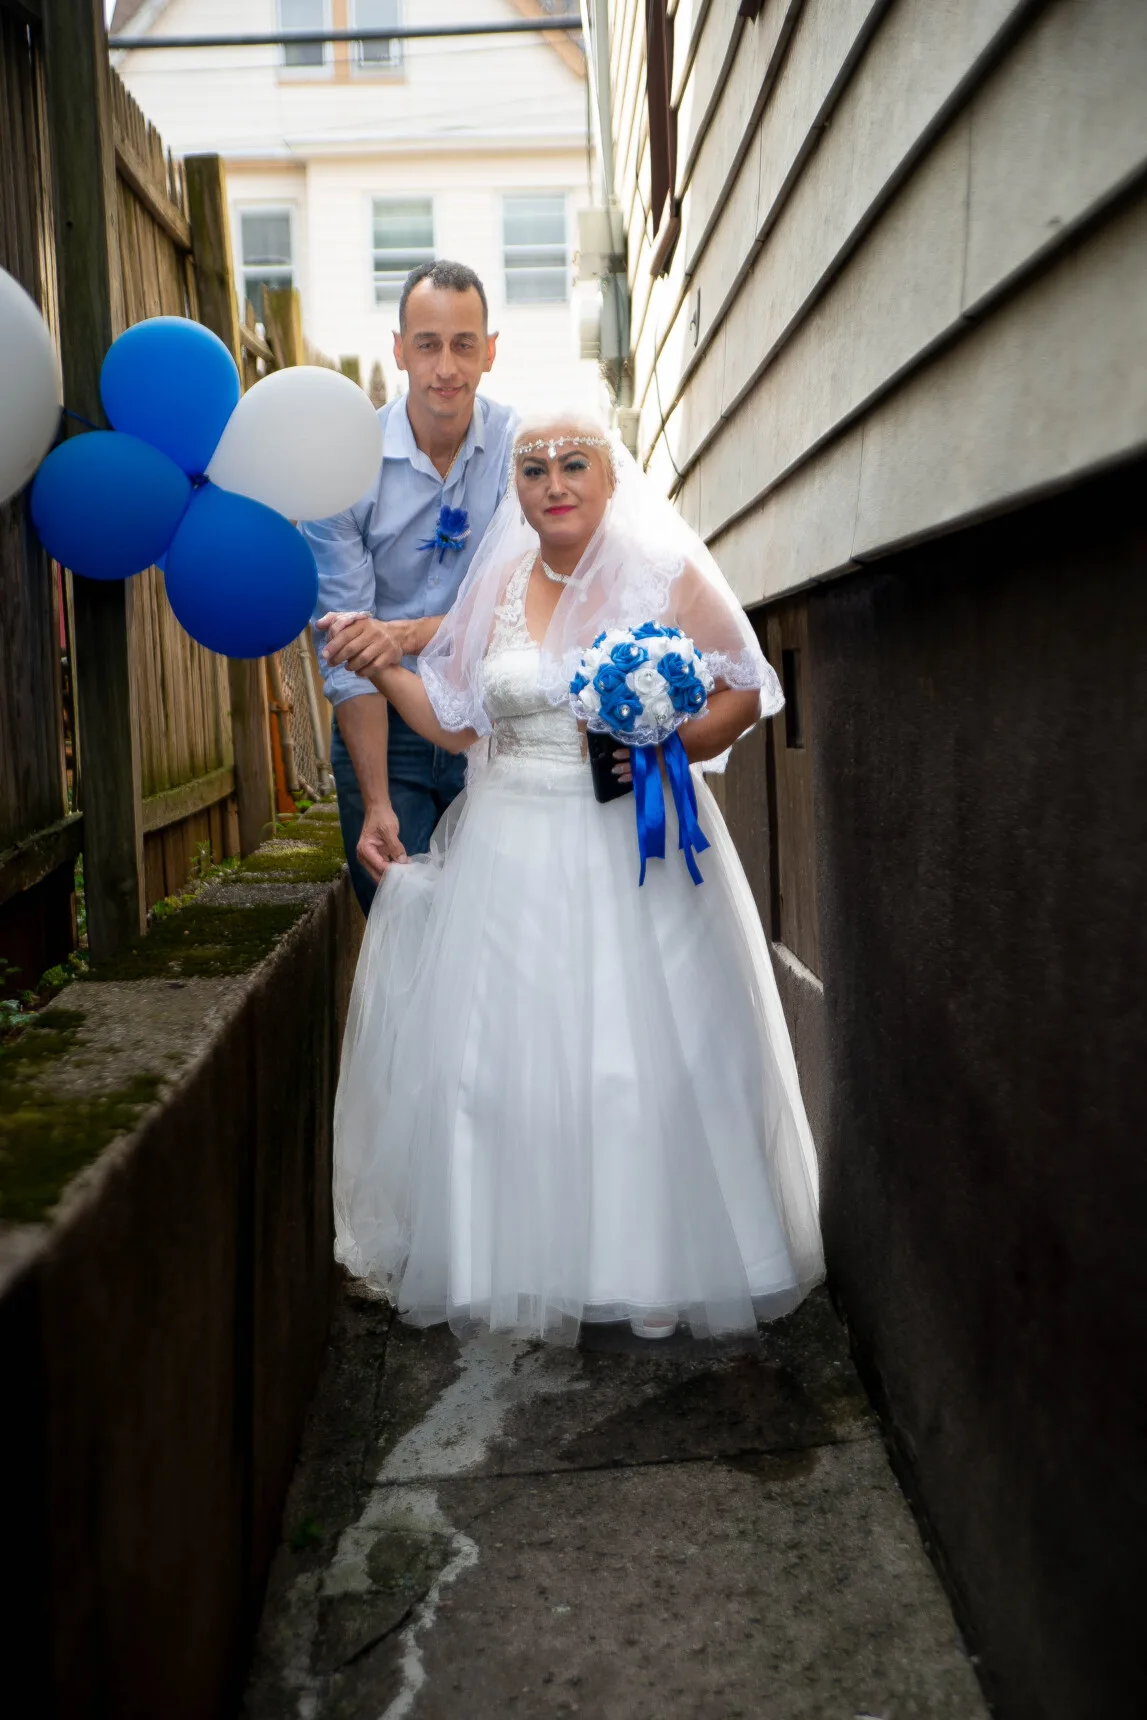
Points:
(242, 268)
(323, 68)
(422, 253)
(376, 68)
(536, 193)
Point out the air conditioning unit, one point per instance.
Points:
(600, 243)
(628, 423)
(587, 311)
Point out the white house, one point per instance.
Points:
(348, 163)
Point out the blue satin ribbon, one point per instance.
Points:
(650, 805)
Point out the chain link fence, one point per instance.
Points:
(302, 731)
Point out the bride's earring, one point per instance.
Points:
(522, 515)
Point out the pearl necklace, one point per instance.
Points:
(558, 578)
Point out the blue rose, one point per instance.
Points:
(649, 630)
(579, 681)
(687, 696)
(620, 711)
(675, 668)
(610, 679)
(600, 640)
(628, 656)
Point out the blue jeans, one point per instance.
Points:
(423, 781)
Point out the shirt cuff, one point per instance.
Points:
(341, 687)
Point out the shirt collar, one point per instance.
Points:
(398, 437)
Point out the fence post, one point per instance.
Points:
(219, 311)
(283, 321)
(91, 315)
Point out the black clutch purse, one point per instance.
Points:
(601, 748)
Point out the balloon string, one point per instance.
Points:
(68, 413)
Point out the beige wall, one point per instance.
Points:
(914, 236)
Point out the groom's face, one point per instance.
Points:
(445, 350)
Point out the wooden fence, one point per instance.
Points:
(39, 834)
(168, 758)
(187, 775)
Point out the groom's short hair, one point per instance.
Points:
(442, 273)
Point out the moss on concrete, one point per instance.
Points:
(309, 850)
(204, 942)
(47, 1136)
(201, 938)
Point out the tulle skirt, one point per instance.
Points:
(564, 1097)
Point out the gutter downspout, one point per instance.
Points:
(615, 332)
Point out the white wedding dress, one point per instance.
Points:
(564, 1097)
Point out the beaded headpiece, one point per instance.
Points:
(552, 443)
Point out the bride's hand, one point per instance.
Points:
(623, 768)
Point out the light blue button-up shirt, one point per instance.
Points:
(369, 557)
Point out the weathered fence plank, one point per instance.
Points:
(183, 692)
(91, 315)
(218, 311)
(37, 903)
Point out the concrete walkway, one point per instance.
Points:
(627, 1531)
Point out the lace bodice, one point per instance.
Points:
(526, 726)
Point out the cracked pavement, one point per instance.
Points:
(627, 1531)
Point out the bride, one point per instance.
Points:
(565, 1095)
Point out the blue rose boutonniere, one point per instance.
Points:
(451, 532)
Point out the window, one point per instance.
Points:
(303, 15)
(534, 241)
(403, 237)
(265, 248)
(378, 54)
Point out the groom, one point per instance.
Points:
(400, 554)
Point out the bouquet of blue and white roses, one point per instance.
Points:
(639, 685)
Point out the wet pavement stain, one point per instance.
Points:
(627, 1532)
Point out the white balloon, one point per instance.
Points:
(305, 441)
(30, 392)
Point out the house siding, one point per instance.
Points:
(893, 376)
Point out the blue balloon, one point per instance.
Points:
(173, 383)
(107, 505)
(240, 578)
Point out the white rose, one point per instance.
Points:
(705, 676)
(590, 700)
(615, 636)
(591, 663)
(685, 649)
(659, 712)
(658, 647)
(647, 682)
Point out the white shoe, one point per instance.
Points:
(653, 1326)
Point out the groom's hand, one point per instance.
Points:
(363, 644)
(379, 845)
